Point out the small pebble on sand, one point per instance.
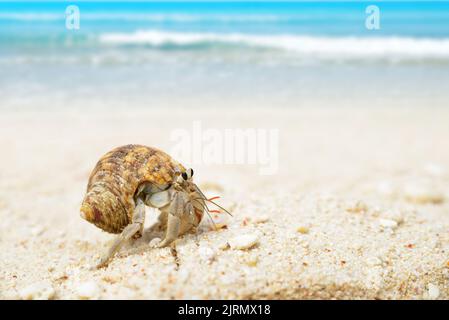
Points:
(433, 292)
(87, 290)
(224, 246)
(252, 261)
(244, 242)
(261, 219)
(356, 207)
(302, 229)
(37, 291)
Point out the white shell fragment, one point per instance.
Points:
(37, 291)
(87, 290)
(395, 215)
(160, 199)
(433, 292)
(388, 224)
(244, 242)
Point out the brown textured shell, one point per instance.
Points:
(109, 201)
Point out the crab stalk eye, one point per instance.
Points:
(188, 174)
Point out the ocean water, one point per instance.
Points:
(409, 31)
(206, 48)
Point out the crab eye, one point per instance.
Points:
(190, 171)
(184, 175)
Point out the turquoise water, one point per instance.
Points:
(304, 29)
(289, 51)
(412, 19)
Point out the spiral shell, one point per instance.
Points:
(109, 200)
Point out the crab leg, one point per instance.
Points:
(173, 225)
(176, 210)
(127, 233)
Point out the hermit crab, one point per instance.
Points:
(129, 177)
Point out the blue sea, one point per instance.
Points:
(216, 47)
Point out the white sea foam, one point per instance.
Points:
(319, 47)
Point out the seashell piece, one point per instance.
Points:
(244, 242)
(388, 223)
(87, 290)
(433, 292)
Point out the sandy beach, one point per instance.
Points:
(338, 185)
(358, 209)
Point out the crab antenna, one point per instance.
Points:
(220, 207)
(216, 205)
(210, 200)
(200, 192)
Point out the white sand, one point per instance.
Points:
(359, 209)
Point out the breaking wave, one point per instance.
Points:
(338, 48)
